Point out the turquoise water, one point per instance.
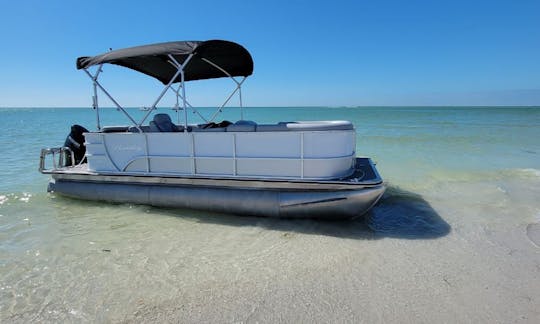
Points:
(455, 175)
(410, 143)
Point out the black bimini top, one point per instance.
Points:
(154, 60)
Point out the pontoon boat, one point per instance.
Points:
(286, 169)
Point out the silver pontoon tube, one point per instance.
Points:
(250, 202)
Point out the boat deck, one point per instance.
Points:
(365, 175)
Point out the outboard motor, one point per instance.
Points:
(75, 141)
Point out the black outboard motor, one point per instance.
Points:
(75, 141)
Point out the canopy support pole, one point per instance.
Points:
(238, 88)
(95, 96)
(159, 97)
(177, 107)
(241, 106)
(184, 100)
(180, 71)
(239, 85)
(181, 68)
(96, 82)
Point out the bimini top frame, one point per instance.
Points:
(175, 62)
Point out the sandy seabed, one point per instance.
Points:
(413, 259)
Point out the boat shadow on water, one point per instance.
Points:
(399, 214)
(404, 214)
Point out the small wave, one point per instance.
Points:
(529, 172)
(25, 197)
(9, 198)
(519, 173)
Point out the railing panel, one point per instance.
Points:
(271, 144)
(309, 154)
(335, 143)
(268, 167)
(212, 144)
(169, 144)
(214, 166)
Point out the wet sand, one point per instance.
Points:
(455, 239)
(408, 261)
(533, 233)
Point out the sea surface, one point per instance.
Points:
(456, 238)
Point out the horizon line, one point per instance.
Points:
(284, 106)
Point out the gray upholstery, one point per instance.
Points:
(242, 126)
(114, 129)
(163, 123)
(306, 126)
(320, 125)
(209, 130)
(272, 128)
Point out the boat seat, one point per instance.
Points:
(208, 130)
(212, 127)
(114, 129)
(133, 129)
(163, 123)
(306, 126)
(242, 126)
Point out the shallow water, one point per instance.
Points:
(455, 238)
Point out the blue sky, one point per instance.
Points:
(306, 53)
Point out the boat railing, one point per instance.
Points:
(58, 158)
(233, 154)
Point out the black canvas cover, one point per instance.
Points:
(153, 60)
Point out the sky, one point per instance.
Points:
(306, 53)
